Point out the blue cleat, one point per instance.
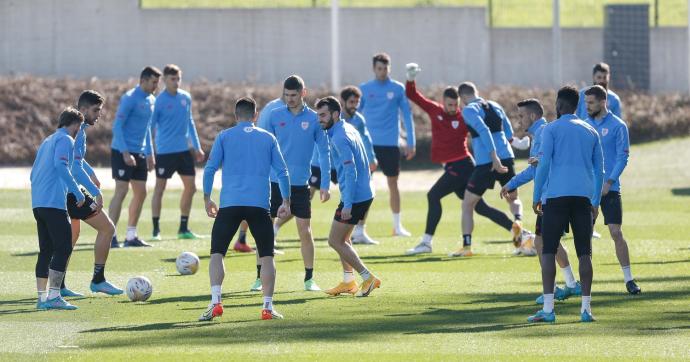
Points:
(58, 303)
(542, 317)
(587, 317)
(39, 305)
(557, 295)
(67, 293)
(113, 243)
(575, 291)
(106, 288)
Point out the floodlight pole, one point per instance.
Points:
(556, 44)
(335, 47)
(688, 29)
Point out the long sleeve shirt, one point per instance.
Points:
(247, 155)
(381, 104)
(51, 178)
(613, 103)
(81, 170)
(570, 158)
(351, 163)
(488, 133)
(527, 174)
(132, 125)
(615, 144)
(357, 121)
(265, 113)
(173, 123)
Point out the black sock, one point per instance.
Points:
(308, 273)
(156, 225)
(183, 223)
(98, 273)
(242, 239)
(62, 286)
(518, 217)
(258, 271)
(467, 240)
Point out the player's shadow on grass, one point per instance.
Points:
(656, 262)
(80, 248)
(153, 327)
(684, 191)
(172, 260)
(405, 259)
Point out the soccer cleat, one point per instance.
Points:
(187, 235)
(136, 243)
(516, 229)
(113, 243)
(596, 235)
(213, 311)
(632, 287)
(256, 287)
(558, 294)
(343, 287)
(68, 293)
(58, 303)
(310, 286)
(462, 252)
(267, 314)
(421, 248)
(40, 305)
(575, 291)
(368, 286)
(156, 236)
(242, 248)
(542, 317)
(400, 231)
(106, 288)
(587, 317)
(527, 243)
(278, 252)
(363, 239)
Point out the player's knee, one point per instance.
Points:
(617, 236)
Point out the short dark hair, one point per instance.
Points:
(172, 69)
(597, 91)
(467, 88)
(350, 91)
(149, 72)
(89, 98)
(70, 116)
(533, 106)
(601, 67)
(381, 57)
(245, 108)
(331, 102)
(567, 99)
(450, 92)
(294, 82)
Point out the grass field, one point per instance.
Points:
(504, 13)
(429, 307)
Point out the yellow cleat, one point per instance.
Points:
(517, 233)
(368, 286)
(343, 287)
(462, 252)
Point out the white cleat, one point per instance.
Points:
(596, 235)
(363, 239)
(400, 231)
(421, 248)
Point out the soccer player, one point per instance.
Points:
(246, 154)
(51, 180)
(601, 75)
(174, 129)
(448, 147)
(531, 118)
(356, 193)
(132, 152)
(571, 161)
(90, 104)
(616, 147)
(383, 99)
(297, 129)
(490, 129)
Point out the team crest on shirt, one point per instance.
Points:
(121, 172)
(161, 170)
(455, 124)
(604, 131)
(305, 125)
(390, 95)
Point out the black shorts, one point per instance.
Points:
(169, 163)
(359, 212)
(612, 208)
(122, 172)
(228, 221)
(300, 201)
(483, 178)
(86, 211)
(315, 179)
(561, 211)
(389, 159)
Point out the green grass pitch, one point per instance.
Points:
(429, 307)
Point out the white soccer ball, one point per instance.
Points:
(187, 263)
(139, 289)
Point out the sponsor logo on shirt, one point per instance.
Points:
(305, 125)
(248, 129)
(282, 124)
(440, 117)
(390, 95)
(604, 131)
(455, 124)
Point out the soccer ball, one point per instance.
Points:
(187, 263)
(139, 289)
(527, 246)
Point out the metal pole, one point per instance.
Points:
(335, 47)
(556, 43)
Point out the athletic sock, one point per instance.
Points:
(53, 293)
(276, 228)
(358, 230)
(98, 273)
(215, 294)
(242, 239)
(548, 303)
(62, 286)
(183, 224)
(268, 303)
(365, 274)
(156, 225)
(586, 304)
(467, 240)
(308, 273)
(131, 233)
(627, 273)
(570, 281)
(396, 221)
(427, 239)
(348, 276)
(258, 271)
(42, 296)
